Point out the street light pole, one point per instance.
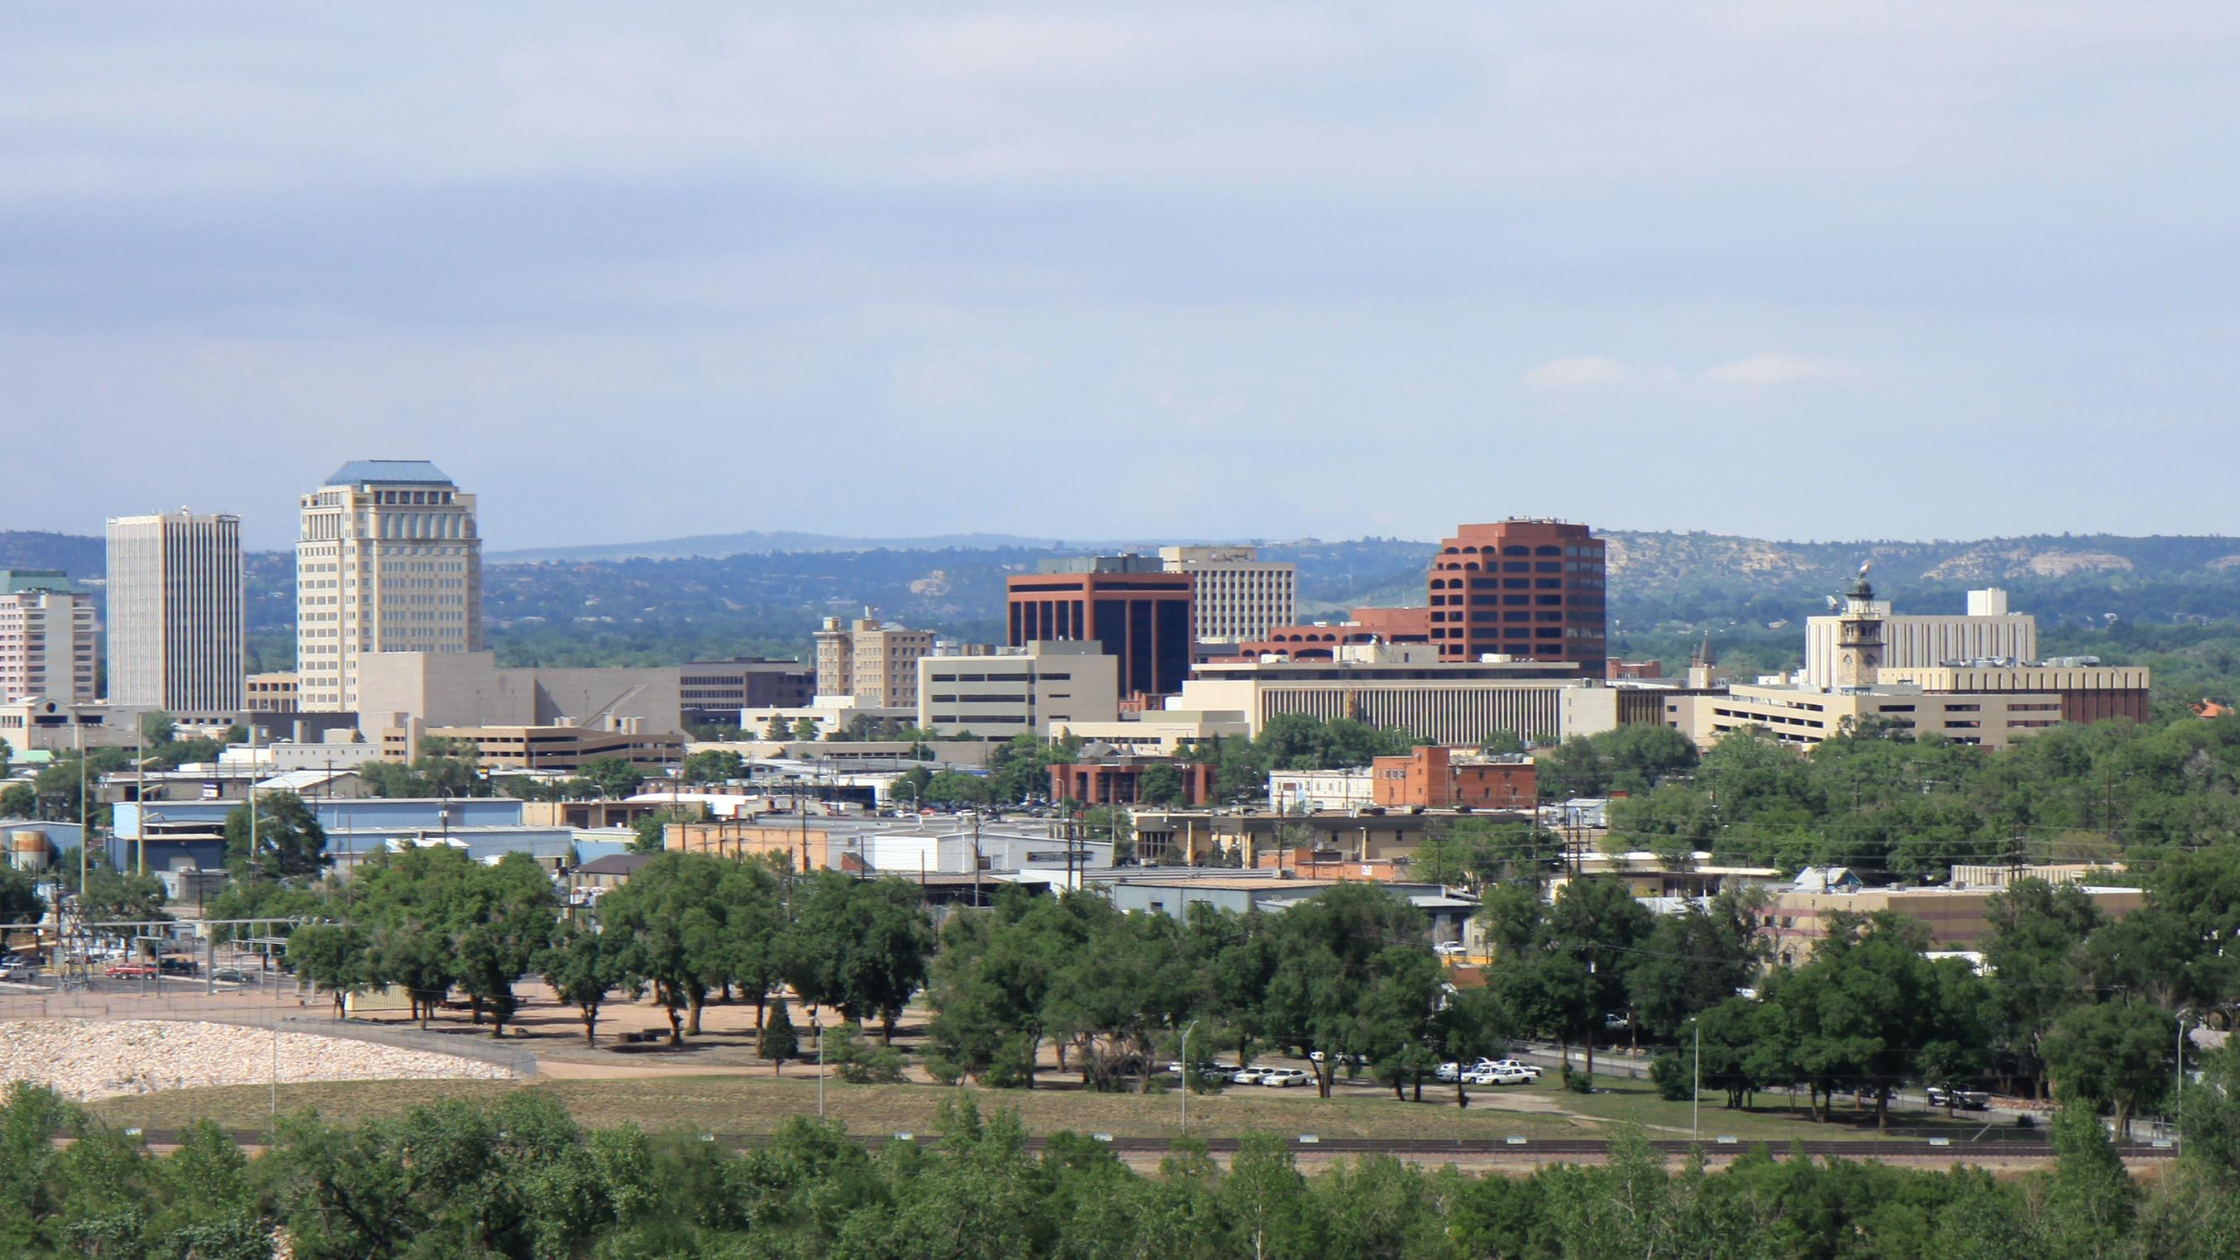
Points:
(1695, 1109)
(1186, 1074)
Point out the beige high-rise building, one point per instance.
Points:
(175, 613)
(876, 662)
(46, 638)
(387, 560)
(1236, 596)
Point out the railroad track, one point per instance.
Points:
(1542, 1149)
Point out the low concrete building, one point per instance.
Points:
(1043, 686)
(1157, 732)
(1119, 780)
(540, 747)
(37, 723)
(1317, 791)
(1795, 922)
(1404, 687)
(1804, 718)
(279, 691)
(470, 689)
(1432, 777)
(1174, 892)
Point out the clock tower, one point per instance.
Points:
(1858, 637)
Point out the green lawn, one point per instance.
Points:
(756, 1105)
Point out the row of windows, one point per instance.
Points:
(1520, 549)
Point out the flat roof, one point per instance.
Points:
(388, 472)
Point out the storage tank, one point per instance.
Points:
(27, 850)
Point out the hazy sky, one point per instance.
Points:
(630, 271)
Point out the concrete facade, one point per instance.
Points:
(1403, 687)
(46, 638)
(1913, 641)
(1806, 718)
(388, 559)
(175, 614)
(472, 689)
(874, 662)
(280, 691)
(714, 692)
(1035, 689)
(1235, 595)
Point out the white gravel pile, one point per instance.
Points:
(88, 1059)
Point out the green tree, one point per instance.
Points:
(1566, 966)
(776, 731)
(776, 1041)
(20, 902)
(583, 967)
(613, 776)
(157, 728)
(948, 789)
(2035, 964)
(668, 922)
(18, 800)
(289, 842)
(1694, 961)
(714, 765)
(114, 896)
(502, 921)
(333, 957)
(859, 945)
(805, 730)
(1160, 785)
(2112, 1054)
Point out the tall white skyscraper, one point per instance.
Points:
(387, 560)
(175, 613)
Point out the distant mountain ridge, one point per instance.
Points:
(777, 585)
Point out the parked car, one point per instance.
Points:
(1495, 1076)
(1448, 949)
(129, 971)
(1448, 1072)
(230, 975)
(1247, 1076)
(1285, 1078)
(1963, 1099)
(15, 972)
(1531, 1072)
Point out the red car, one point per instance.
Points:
(129, 971)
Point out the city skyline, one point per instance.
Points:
(1264, 263)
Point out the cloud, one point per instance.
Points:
(1772, 368)
(1577, 373)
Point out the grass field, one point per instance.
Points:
(746, 1106)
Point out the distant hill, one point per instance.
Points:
(636, 603)
(718, 546)
(74, 554)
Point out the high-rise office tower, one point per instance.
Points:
(46, 637)
(1130, 604)
(874, 661)
(1236, 596)
(175, 613)
(1524, 588)
(387, 560)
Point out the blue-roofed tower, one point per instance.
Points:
(387, 560)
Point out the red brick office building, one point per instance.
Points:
(1531, 589)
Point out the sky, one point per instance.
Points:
(1838, 270)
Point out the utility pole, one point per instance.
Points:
(1188, 1073)
(1695, 1108)
(976, 858)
